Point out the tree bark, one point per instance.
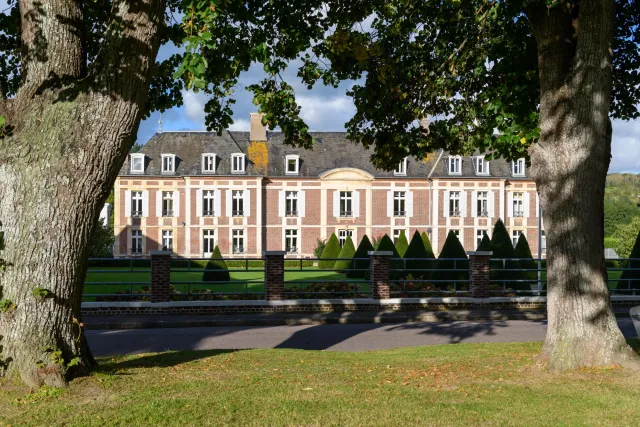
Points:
(570, 164)
(56, 171)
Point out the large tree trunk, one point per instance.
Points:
(570, 164)
(56, 171)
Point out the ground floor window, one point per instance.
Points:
(456, 232)
(479, 235)
(515, 235)
(238, 241)
(291, 240)
(396, 235)
(343, 234)
(136, 242)
(208, 242)
(167, 240)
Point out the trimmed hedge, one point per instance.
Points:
(216, 269)
(502, 247)
(331, 250)
(427, 245)
(346, 254)
(523, 250)
(418, 250)
(402, 245)
(363, 250)
(452, 249)
(386, 244)
(485, 244)
(624, 282)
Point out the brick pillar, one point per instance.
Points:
(479, 273)
(380, 273)
(160, 276)
(273, 275)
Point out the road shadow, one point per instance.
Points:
(456, 332)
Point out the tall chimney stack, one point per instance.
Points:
(258, 131)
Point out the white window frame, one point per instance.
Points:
(136, 242)
(454, 165)
(482, 201)
(399, 204)
(291, 203)
(457, 232)
(238, 163)
(343, 234)
(208, 242)
(515, 235)
(168, 160)
(237, 241)
(208, 202)
(291, 245)
(167, 240)
(137, 199)
(401, 169)
(396, 234)
(237, 202)
(480, 234)
(167, 204)
(518, 167)
(133, 158)
(454, 203)
(296, 162)
(346, 204)
(209, 162)
(483, 164)
(518, 204)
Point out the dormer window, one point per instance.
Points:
(137, 163)
(292, 164)
(482, 166)
(237, 163)
(168, 163)
(401, 169)
(455, 165)
(517, 167)
(208, 163)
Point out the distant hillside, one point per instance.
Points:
(621, 212)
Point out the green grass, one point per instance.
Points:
(463, 384)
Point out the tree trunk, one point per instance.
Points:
(56, 170)
(570, 164)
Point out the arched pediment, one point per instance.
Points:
(346, 174)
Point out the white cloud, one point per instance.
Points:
(194, 106)
(240, 124)
(325, 113)
(625, 146)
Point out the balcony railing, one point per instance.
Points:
(238, 213)
(399, 213)
(483, 214)
(136, 214)
(292, 250)
(346, 214)
(167, 213)
(208, 212)
(291, 213)
(454, 213)
(518, 214)
(238, 249)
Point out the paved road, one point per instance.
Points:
(350, 337)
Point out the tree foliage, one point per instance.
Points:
(485, 244)
(216, 269)
(330, 253)
(523, 251)
(631, 279)
(345, 262)
(427, 244)
(101, 245)
(402, 244)
(503, 272)
(423, 260)
(453, 258)
(364, 263)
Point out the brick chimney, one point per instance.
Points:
(258, 131)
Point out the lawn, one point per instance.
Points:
(462, 384)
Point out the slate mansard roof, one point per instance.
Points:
(332, 150)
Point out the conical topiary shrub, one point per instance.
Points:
(523, 251)
(345, 262)
(331, 250)
(443, 279)
(503, 272)
(364, 264)
(485, 244)
(402, 245)
(625, 282)
(423, 260)
(427, 245)
(386, 245)
(216, 269)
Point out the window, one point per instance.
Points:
(136, 203)
(456, 232)
(396, 235)
(237, 203)
(167, 240)
(136, 242)
(518, 204)
(168, 163)
(291, 203)
(237, 163)
(517, 167)
(479, 235)
(399, 203)
(343, 234)
(238, 241)
(483, 203)
(455, 165)
(291, 241)
(292, 163)
(454, 203)
(401, 169)
(346, 202)
(515, 235)
(208, 242)
(167, 203)
(137, 163)
(208, 163)
(482, 166)
(208, 198)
